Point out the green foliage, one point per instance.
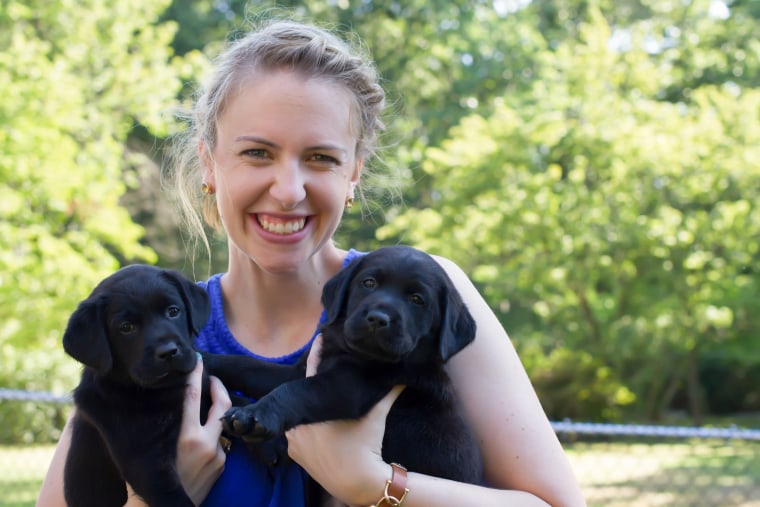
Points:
(627, 223)
(577, 385)
(731, 385)
(76, 79)
(593, 164)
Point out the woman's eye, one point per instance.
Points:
(255, 153)
(126, 327)
(325, 159)
(369, 283)
(173, 312)
(417, 300)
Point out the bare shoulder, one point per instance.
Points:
(490, 331)
(489, 365)
(492, 348)
(520, 449)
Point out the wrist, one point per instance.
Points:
(395, 490)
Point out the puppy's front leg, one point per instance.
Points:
(251, 376)
(148, 463)
(339, 393)
(91, 478)
(154, 479)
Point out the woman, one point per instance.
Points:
(279, 141)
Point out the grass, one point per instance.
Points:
(613, 474)
(21, 473)
(681, 474)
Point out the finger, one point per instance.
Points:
(313, 360)
(220, 403)
(383, 406)
(193, 391)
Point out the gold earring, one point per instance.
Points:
(206, 189)
(349, 203)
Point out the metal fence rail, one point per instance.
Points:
(618, 465)
(641, 430)
(37, 396)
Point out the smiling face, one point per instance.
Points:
(283, 165)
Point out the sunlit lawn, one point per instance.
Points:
(684, 474)
(21, 473)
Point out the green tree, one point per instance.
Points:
(601, 218)
(592, 163)
(76, 81)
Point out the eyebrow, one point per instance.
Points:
(259, 140)
(254, 139)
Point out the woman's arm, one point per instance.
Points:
(200, 459)
(51, 493)
(520, 449)
(524, 462)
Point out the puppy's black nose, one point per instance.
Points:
(377, 320)
(166, 351)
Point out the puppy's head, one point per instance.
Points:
(397, 303)
(137, 326)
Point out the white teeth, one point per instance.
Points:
(282, 228)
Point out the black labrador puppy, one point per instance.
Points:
(394, 317)
(134, 334)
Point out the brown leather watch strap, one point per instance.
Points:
(395, 488)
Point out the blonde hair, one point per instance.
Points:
(306, 49)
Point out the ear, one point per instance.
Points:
(335, 291)
(195, 298)
(458, 328)
(86, 336)
(354, 180)
(206, 162)
(356, 176)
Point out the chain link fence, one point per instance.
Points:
(617, 465)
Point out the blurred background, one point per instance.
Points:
(594, 165)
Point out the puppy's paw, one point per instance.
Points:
(251, 424)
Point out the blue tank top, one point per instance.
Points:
(245, 482)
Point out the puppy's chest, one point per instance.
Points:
(110, 405)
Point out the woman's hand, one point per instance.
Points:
(200, 458)
(344, 456)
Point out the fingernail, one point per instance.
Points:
(199, 356)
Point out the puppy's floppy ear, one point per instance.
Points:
(335, 291)
(458, 326)
(195, 298)
(86, 335)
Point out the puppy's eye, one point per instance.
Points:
(417, 300)
(173, 312)
(127, 327)
(369, 283)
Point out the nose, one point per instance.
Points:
(288, 187)
(166, 351)
(377, 320)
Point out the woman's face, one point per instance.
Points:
(285, 161)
